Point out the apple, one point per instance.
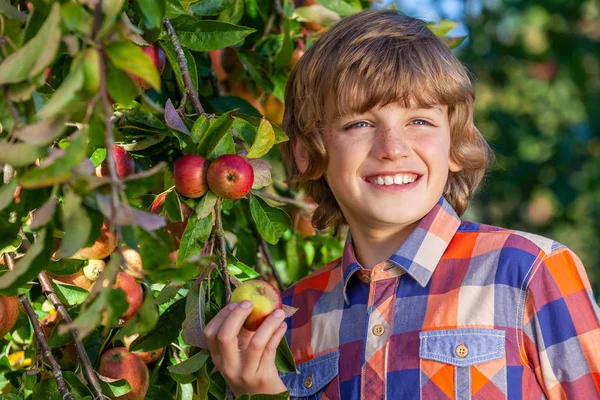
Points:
(133, 263)
(189, 173)
(230, 176)
(297, 53)
(264, 297)
(157, 55)
(9, 311)
(134, 295)
(104, 245)
(148, 357)
(119, 363)
(302, 223)
(78, 279)
(93, 268)
(123, 160)
(175, 229)
(217, 64)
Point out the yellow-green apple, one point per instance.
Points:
(124, 163)
(9, 311)
(189, 173)
(264, 297)
(119, 363)
(230, 176)
(93, 268)
(102, 247)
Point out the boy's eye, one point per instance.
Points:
(356, 125)
(419, 122)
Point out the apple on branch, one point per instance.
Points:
(123, 161)
(264, 297)
(189, 173)
(102, 247)
(230, 176)
(9, 311)
(119, 363)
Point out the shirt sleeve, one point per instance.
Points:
(561, 328)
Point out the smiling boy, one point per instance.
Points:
(421, 305)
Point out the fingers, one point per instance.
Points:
(262, 337)
(227, 336)
(212, 329)
(268, 357)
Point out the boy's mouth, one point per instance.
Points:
(399, 179)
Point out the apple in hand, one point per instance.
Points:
(264, 297)
(124, 163)
(189, 174)
(230, 176)
(119, 363)
(9, 311)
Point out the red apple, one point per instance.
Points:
(104, 245)
(230, 176)
(134, 295)
(9, 311)
(189, 173)
(124, 162)
(264, 297)
(148, 357)
(118, 363)
(157, 55)
(78, 279)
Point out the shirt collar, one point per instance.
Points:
(421, 252)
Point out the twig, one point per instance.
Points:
(39, 334)
(267, 253)
(83, 356)
(223, 249)
(182, 102)
(288, 200)
(187, 80)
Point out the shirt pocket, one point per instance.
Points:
(317, 378)
(463, 364)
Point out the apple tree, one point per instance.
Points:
(141, 183)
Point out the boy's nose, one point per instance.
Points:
(391, 144)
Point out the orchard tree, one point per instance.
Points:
(141, 183)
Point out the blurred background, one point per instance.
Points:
(536, 72)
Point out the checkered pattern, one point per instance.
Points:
(447, 280)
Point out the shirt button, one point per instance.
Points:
(462, 350)
(378, 330)
(308, 382)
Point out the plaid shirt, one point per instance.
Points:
(460, 311)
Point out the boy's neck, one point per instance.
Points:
(374, 246)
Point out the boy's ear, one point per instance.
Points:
(300, 156)
(453, 166)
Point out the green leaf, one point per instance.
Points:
(342, 7)
(19, 154)
(258, 67)
(280, 135)
(284, 56)
(172, 206)
(191, 62)
(113, 387)
(195, 235)
(98, 156)
(65, 95)
(223, 104)
(317, 13)
(453, 42)
(278, 396)
(204, 35)
(70, 295)
(284, 360)
(153, 12)
(77, 224)
(262, 173)
(120, 86)
(206, 205)
(41, 134)
(60, 170)
(46, 390)
(78, 388)
(192, 331)
(209, 7)
(28, 266)
(7, 193)
(130, 58)
(65, 266)
(442, 28)
(191, 365)
(271, 222)
(166, 330)
(264, 140)
(11, 12)
(217, 140)
(33, 58)
(234, 13)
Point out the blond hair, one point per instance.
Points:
(374, 58)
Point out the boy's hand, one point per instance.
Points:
(246, 359)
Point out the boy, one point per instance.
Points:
(421, 305)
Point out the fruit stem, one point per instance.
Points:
(223, 249)
(41, 339)
(187, 80)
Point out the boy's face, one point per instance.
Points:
(388, 167)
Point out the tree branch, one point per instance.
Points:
(81, 352)
(41, 339)
(223, 249)
(267, 253)
(185, 72)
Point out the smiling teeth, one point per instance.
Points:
(398, 179)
